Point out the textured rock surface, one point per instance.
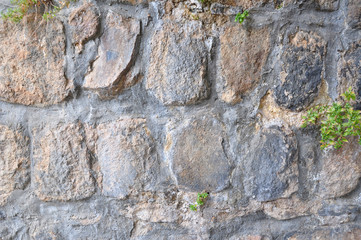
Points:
(14, 161)
(354, 14)
(341, 170)
(193, 150)
(349, 70)
(85, 23)
(302, 67)
(61, 163)
(328, 5)
(116, 53)
(177, 74)
(271, 166)
(125, 150)
(242, 56)
(219, 110)
(23, 48)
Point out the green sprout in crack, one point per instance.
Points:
(241, 16)
(201, 197)
(337, 121)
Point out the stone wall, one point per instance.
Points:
(116, 113)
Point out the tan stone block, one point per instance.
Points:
(243, 54)
(14, 161)
(32, 62)
(61, 163)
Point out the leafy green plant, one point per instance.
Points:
(338, 121)
(22, 8)
(201, 197)
(241, 16)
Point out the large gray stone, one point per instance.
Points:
(270, 168)
(32, 62)
(110, 72)
(243, 54)
(197, 156)
(177, 74)
(14, 161)
(61, 163)
(127, 158)
(302, 68)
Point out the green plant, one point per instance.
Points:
(201, 197)
(22, 7)
(338, 121)
(241, 16)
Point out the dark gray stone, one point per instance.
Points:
(301, 74)
(349, 73)
(197, 155)
(271, 167)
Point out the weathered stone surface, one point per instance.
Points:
(341, 170)
(14, 161)
(177, 74)
(354, 14)
(270, 167)
(328, 5)
(242, 56)
(61, 163)
(250, 237)
(349, 70)
(197, 156)
(283, 209)
(108, 227)
(127, 158)
(352, 234)
(301, 74)
(13, 229)
(246, 4)
(32, 62)
(84, 22)
(116, 54)
(337, 214)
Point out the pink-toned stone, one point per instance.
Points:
(32, 62)
(61, 163)
(243, 54)
(14, 161)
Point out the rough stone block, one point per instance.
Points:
(61, 163)
(197, 156)
(328, 5)
(32, 62)
(302, 68)
(349, 70)
(84, 22)
(14, 161)
(270, 168)
(127, 157)
(177, 74)
(354, 14)
(242, 56)
(116, 54)
(341, 170)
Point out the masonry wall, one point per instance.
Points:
(115, 114)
